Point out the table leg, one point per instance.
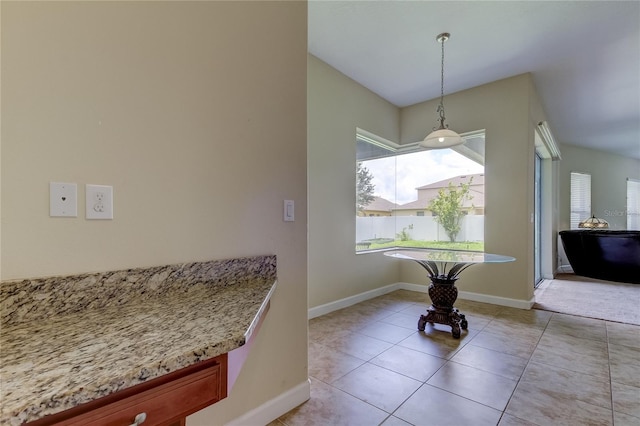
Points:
(443, 294)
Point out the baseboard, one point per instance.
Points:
(476, 297)
(351, 300)
(497, 300)
(421, 288)
(271, 410)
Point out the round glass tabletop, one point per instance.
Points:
(449, 256)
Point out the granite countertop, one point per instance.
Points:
(75, 355)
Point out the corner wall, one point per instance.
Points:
(504, 110)
(337, 106)
(195, 112)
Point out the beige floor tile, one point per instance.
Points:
(411, 363)
(624, 334)
(323, 329)
(582, 387)
(378, 386)
(369, 312)
(386, 303)
(575, 368)
(331, 406)
(626, 399)
(513, 329)
(416, 310)
(512, 345)
(495, 362)
(537, 405)
(478, 309)
(328, 364)
(394, 421)
(621, 419)
(477, 385)
(509, 420)
(359, 345)
(386, 332)
(476, 323)
(526, 317)
(572, 353)
(408, 321)
(584, 328)
(624, 362)
(437, 342)
(432, 406)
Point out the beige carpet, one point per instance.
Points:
(587, 297)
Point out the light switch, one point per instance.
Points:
(63, 199)
(289, 211)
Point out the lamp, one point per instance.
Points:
(442, 137)
(593, 223)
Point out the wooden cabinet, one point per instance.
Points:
(165, 401)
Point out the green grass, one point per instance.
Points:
(461, 245)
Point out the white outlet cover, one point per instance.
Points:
(63, 199)
(99, 201)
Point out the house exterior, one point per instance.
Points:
(378, 207)
(426, 193)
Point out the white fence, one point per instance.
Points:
(421, 228)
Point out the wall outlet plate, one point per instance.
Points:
(99, 201)
(63, 199)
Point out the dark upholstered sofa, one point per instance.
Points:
(604, 254)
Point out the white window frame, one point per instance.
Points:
(580, 204)
(633, 204)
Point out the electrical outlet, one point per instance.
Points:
(63, 199)
(99, 202)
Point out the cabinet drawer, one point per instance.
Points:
(166, 403)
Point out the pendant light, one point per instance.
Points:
(442, 137)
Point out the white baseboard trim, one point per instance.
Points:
(271, 410)
(476, 297)
(351, 300)
(421, 288)
(497, 300)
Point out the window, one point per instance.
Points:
(633, 204)
(580, 198)
(402, 181)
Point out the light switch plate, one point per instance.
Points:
(99, 202)
(63, 199)
(289, 211)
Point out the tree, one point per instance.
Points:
(364, 187)
(447, 207)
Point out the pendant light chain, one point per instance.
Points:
(442, 38)
(442, 137)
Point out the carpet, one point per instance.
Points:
(591, 298)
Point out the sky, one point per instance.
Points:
(416, 169)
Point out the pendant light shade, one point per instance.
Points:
(442, 137)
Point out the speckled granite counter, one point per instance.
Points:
(65, 341)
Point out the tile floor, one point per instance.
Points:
(368, 365)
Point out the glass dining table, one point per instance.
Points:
(444, 268)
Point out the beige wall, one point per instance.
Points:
(503, 109)
(336, 107)
(609, 175)
(195, 112)
(507, 109)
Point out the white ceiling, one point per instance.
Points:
(584, 56)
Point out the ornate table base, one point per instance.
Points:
(443, 294)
